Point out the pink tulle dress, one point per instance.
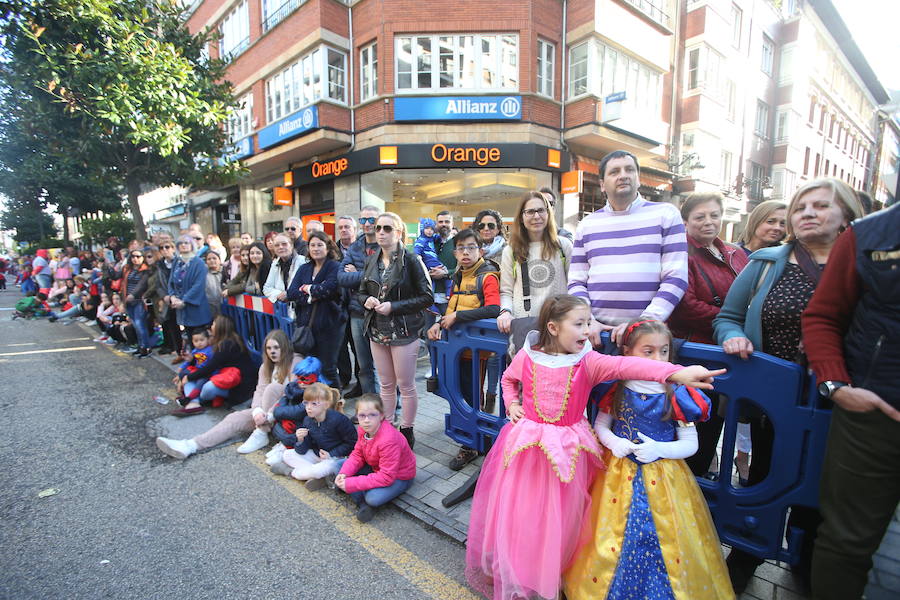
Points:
(533, 491)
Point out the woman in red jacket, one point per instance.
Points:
(712, 267)
(381, 466)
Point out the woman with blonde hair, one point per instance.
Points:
(762, 312)
(766, 226)
(395, 291)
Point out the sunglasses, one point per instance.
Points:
(290, 229)
(487, 225)
(137, 256)
(199, 239)
(369, 220)
(166, 247)
(384, 228)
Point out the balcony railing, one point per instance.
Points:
(279, 14)
(652, 9)
(238, 49)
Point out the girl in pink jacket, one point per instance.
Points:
(382, 465)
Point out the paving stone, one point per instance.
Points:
(779, 576)
(761, 588)
(433, 499)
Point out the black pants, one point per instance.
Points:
(708, 433)
(171, 331)
(344, 369)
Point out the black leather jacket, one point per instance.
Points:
(407, 287)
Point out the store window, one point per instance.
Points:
(316, 197)
(417, 193)
(301, 83)
(368, 72)
(477, 63)
(234, 32)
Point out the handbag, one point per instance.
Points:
(518, 331)
(303, 340)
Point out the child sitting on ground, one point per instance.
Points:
(202, 352)
(289, 412)
(426, 247)
(325, 439)
(32, 306)
(382, 466)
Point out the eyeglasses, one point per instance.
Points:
(535, 212)
(199, 239)
(369, 220)
(290, 229)
(166, 247)
(469, 248)
(384, 228)
(368, 416)
(487, 225)
(312, 402)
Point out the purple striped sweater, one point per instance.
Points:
(631, 263)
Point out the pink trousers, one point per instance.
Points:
(396, 366)
(240, 421)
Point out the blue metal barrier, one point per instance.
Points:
(753, 518)
(255, 316)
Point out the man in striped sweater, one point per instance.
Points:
(630, 257)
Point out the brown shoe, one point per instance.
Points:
(462, 458)
(177, 359)
(187, 412)
(315, 485)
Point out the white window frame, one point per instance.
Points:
(737, 23)
(239, 124)
(782, 125)
(730, 98)
(368, 72)
(546, 64)
(275, 11)
(786, 65)
(767, 55)
(641, 82)
(307, 80)
(704, 71)
(234, 32)
(761, 120)
(471, 63)
(725, 168)
(579, 85)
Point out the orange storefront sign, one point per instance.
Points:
(283, 196)
(332, 167)
(572, 182)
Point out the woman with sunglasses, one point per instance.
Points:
(395, 291)
(172, 341)
(317, 297)
(489, 225)
(134, 277)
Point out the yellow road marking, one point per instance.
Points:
(81, 339)
(52, 350)
(418, 572)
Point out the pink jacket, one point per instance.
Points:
(388, 454)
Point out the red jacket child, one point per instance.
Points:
(387, 453)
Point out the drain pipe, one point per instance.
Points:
(350, 81)
(563, 90)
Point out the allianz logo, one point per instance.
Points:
(508, 107)
(304, 120)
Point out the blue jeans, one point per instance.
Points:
(210, 391)
(137, 312)
(191, 386)
(43, 281)
(68, 314)
(363, 355)
(382, 495)
(493, 373)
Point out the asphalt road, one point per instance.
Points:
(129, 522)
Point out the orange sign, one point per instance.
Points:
(283, 196)
(288, 178)
(479, 156)
(553, 158)
(572, 182)
(387, 155)
(332, 167)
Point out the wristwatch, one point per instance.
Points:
(827, 388)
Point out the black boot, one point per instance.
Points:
(408, 434)
(490, 400)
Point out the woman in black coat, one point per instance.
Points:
(318, 303)
(395, 291)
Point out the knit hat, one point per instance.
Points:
(310, 370)
(426, 222)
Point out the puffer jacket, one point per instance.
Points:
(387, 453)
(409, 294)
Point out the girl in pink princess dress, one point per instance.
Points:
(533, 491)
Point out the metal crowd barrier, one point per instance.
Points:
(753, 518)
(255, 316)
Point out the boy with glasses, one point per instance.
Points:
(475, 295)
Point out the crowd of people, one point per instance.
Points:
(645, 272)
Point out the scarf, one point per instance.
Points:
(806, 262)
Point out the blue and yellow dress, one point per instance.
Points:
(652, 534)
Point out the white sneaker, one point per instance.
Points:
(279, 447)
(102, 338)
(274, 459)
(81, 319)
(179, 449)
(90, 323)
(258, 439)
